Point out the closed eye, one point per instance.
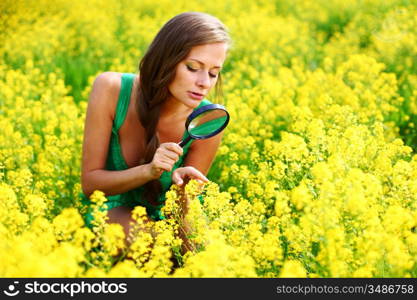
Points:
(195, 70)
(191, 69)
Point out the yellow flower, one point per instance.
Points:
(66, 223)
(292, 269)
(35, 205)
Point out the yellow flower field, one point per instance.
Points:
(316, 175)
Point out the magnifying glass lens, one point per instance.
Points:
(207, 123)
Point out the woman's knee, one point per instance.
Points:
(123, 215)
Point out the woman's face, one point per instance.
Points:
(197, 74)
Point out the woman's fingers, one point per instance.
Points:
(167, 154)
(165, 158)
(197, 174)
(167, 161)
(161, 167)
(188, 172)
(176, 178)
(172, 147)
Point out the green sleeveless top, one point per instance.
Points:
(116, 161)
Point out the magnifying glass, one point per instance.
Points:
(205, 122)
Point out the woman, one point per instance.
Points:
(134, 123)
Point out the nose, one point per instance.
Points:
(203, 80)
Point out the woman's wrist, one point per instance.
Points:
(149, 172)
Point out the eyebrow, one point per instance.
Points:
(201, 63)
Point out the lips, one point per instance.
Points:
(195, 96)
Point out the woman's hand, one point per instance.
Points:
(164, 159)
(180, 175)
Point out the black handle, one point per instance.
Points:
(184, 142)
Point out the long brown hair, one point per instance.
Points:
(157, 70)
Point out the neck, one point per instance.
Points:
(173, 108)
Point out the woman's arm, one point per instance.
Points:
(202, 153)
(97, 130)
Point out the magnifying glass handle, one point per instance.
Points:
(184, 142)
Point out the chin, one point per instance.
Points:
(191, 103)
(196, 103)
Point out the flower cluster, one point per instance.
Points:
(316, 175)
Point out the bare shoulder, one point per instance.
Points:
(99, 121)
(105, 91)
